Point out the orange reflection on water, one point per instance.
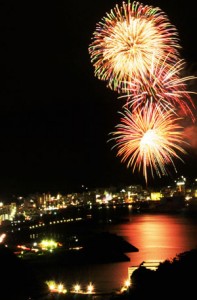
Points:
(159, 236)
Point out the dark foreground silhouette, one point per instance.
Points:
(18, 280)
(174, 279)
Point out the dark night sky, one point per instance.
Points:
(55, 116)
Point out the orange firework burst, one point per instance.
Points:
(149, 138)
(126, 39)
(164, 86)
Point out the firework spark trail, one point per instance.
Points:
(135, 49)
(125, 40)
(149, 138)
(165, 86)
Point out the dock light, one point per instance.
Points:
(90, 288)
(77, 288)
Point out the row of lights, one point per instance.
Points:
(60, 289)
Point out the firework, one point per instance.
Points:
(126, 39)
(149, 139)
(165, 86)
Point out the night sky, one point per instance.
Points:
(55, 115)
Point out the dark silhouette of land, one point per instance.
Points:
(18, 280)
(174, 279)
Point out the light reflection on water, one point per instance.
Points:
(157, 236)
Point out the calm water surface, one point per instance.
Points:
(157, 236)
